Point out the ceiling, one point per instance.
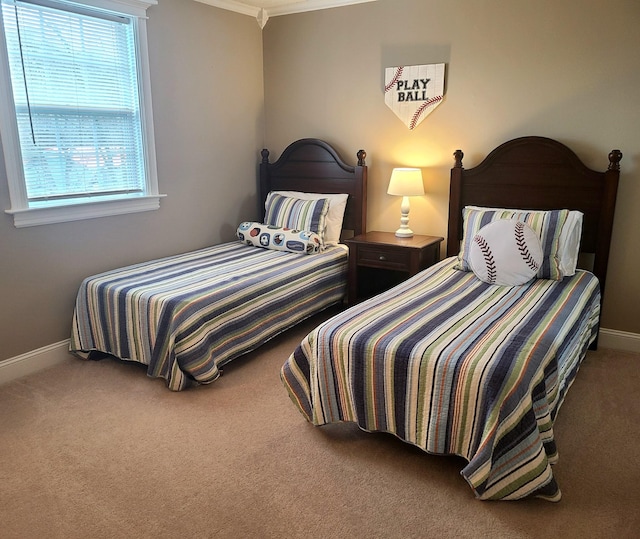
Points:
(263, 9)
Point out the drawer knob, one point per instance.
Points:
(382, 258)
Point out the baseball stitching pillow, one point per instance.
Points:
(546, 224)
(506, 252)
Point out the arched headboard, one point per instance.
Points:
(313, 166)
(539, 173)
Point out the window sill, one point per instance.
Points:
(88, 210)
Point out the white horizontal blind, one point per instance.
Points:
(75, 87)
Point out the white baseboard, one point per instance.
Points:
(34, 361)
(47, 356)
(619, 340)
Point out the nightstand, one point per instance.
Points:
(381, 260)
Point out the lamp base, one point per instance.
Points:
(404, 233)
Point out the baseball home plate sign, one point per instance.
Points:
(412, 92)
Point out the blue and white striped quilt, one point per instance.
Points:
(455, 366)
(185, 316)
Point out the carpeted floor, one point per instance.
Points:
(98, 450)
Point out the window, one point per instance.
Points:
(76, 123)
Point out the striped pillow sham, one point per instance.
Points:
(546, 224)
(297, 214)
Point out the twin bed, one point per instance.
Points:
(452, 360)
(455, 364)
(186, 316)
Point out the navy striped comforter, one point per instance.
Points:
(455, 366)
(186, 316)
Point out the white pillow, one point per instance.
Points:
(506, 252)
(337, 205)
(569, 244)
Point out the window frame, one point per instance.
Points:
(24, 215)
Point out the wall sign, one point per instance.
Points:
(412, 92)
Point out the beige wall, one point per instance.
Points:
(566, 70)
(514, 68)
(207, 89)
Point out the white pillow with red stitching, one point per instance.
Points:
(506, 252)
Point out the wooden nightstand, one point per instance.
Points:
(381, 260)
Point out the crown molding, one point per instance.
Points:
(295, 6)
(230, 5)
(312, 5)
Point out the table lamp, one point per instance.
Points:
(405, 182)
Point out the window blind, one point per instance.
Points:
(74, 79)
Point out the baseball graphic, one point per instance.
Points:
(506, 252)
(417, 115)
(391, 84)
(413, 92)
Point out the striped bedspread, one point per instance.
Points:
(455, 366)
(185, 316)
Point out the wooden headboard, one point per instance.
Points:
(313, 166)
(539, 173)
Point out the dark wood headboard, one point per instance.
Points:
(313, 166)
(539, 173)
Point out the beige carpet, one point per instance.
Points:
(97, 449)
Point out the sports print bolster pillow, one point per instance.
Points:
(506, 252)
(546, 224)
(279, 238)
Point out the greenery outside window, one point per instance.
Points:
(75, 110)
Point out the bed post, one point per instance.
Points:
(605, 228)
(264, 181)
(454, 233)
(361, 207)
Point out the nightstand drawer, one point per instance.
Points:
(397, 259)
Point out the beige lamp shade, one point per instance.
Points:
(405, 182)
